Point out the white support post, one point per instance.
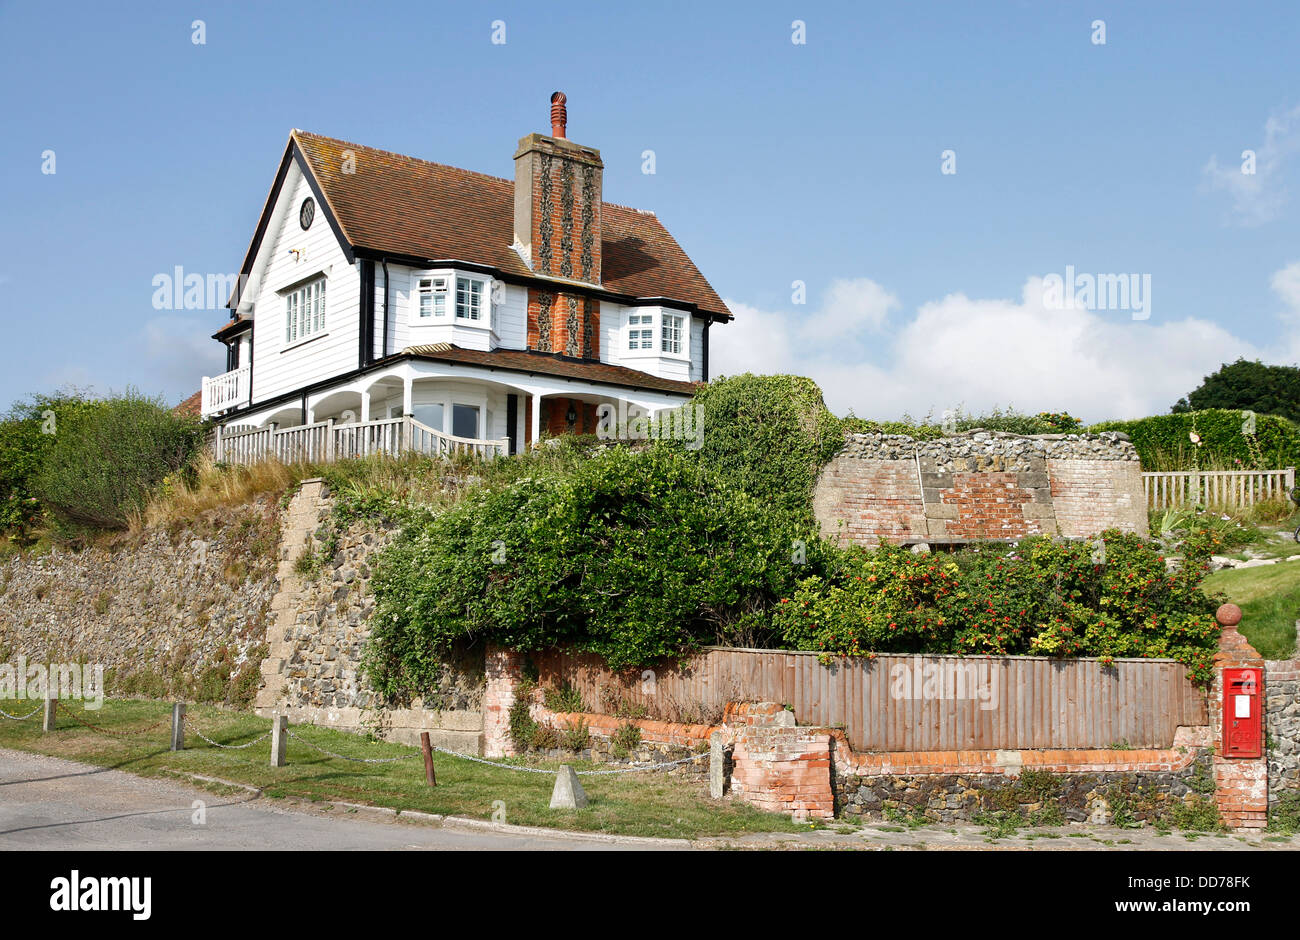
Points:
(365, 407)
(329, 441)
(537, 419)
(408, 412)
(219, 456)
(279, 737)
(178, 726)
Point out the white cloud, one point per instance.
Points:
(179, 353)
(1258, 197)
(977, 354)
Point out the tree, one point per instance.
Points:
(1245, 385)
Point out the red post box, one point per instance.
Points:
(1243, 713)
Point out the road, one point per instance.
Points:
(50, 803)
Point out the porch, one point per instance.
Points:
(430, 407)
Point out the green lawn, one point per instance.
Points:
(1269, 598)
(639, 804)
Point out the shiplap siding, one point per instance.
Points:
(277, 370)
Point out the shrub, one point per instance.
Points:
(768, 436)
(576, 736)
(107, 456)
(1163, 441)
(1284, 815)
(1044, 597)
(633, 555)
(998, 419)
(27, 434)
(626, 738)
(565, 698)
(1196, 814)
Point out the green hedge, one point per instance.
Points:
(634, 555)
(1044, 598)
(1163, 441)
(27, 435)
(106, 456)
(768, 436)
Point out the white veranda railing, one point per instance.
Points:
(326, 442)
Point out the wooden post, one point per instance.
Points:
(427, 748)
(1290, 481)
(220, 454)
(279, 736)
(329, 441)
(51, 711)
(178, 726)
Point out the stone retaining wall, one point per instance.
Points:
(314, 674)
(159, 610)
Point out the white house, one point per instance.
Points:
(379, 286)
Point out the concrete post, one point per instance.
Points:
(51, 711)
(279, 737)
(178, 726)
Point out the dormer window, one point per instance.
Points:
(469, 298)
(304, 311)
(433, 297)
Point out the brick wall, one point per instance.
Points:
(1091, 495)
(564, 323)
(1242, 793)
(866, 500)
(979, 485)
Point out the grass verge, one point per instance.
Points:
(636, 804)
(1269, 598)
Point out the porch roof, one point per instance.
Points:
(523, 360)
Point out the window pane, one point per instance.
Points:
(428, 415)
(464, 420)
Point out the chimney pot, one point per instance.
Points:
(559, 115)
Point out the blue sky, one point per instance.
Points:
(776, 162)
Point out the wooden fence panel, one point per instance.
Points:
(913, 703)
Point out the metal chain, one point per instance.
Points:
(356, 760)
(230, 747)
(21, 717)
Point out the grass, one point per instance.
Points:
(1269, 598)
(411, 479)
(637, 804)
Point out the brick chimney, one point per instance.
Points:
(557, 201)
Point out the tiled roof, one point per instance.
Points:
(522, 360)
(404, 206)
(191, 406)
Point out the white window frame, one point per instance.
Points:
(481, 309)
(437, 292)
(309, 296)
(673, 346)
(451, 315)
(643, 333)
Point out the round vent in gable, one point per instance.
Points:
(307, 213)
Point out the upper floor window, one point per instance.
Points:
(304, 311)
(671, 334)
(640, 331)
(469, 298)
(432, 297)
